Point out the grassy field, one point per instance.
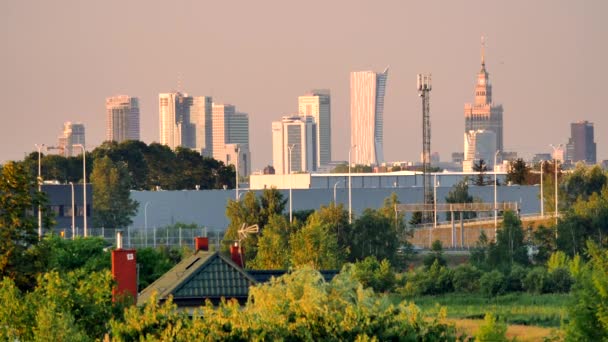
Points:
(548, 310)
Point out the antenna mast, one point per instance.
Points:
(424, 89)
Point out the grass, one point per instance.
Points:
(548, 310)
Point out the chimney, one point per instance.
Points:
(236, 254)
(201, 244)
(124, 271)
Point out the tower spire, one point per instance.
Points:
(483, 57)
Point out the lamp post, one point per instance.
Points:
(39, 147)
(290, 147)
(237, 150)
(84, 186)
(338, 182)
(555, 148)
(146, 221)
(435, 200)
(495, 196)
(350, 185)
(73, 213)
(542, 195)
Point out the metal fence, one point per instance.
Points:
(135, 237)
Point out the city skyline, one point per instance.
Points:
(547, 70)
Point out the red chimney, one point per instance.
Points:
(201, 244)
(124, 271)
(237, 254)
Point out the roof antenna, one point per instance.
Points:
(179, 82)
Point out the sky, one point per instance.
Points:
(547, 62)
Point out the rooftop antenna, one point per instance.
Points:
(424, 88)
(243, 232)
(179, 82)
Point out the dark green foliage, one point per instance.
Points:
(481, 168)
(515, 278)
(537, 281)
(416, 218)
(85, 254)
(435, 255)
(373, 234)
(581, 183)
(543, 238)
(492, 283)
(459, 193)
(432, 281)
(377, 275)
(519, 172)
(510, 243)
(466, 278)
(560, 280)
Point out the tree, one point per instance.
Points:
(459, 193)
(492, 330)
(315, 245)
(436, 255)
(481, 168)
(336, 217)
(19, 260)
(519, 172)
(112, 204)
(273, 246)
(510, 246)
(582, 183)
(373, 234)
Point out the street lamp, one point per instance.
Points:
(146, 221)
(39, 147)
(237, 150)
(350, 185)
(84, 186)
(435, 200)
(542, 195)
(495, 196)
(338, 182)
(73, 213)
(555, 148)
(290, 147)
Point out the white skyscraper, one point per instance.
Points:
(174, 115)
(73, 134)
(202, 121)
(231, 130)
(122, 118)
(367, 90)
(300, 133)
(317, 104)
(479, 145)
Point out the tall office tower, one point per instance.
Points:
(231, 130)
(484, 114)
(367, 90)
(300, 134)
(479, 145)
(581, 146)
(73, 134)
(122, 118)
(317, 103)
(174, 115)
(202, 121)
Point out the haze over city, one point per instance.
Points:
(546, 61)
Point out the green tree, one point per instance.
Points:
(112, 203)
(273, 246)
(492, 330)
(373, 234)
(375, 274)
(481, 168)
(459, 193)
(582, 183)
(436, 255)
(315, 245)
(519, 172)
(336, 217)
(19, 260)
(510, 243)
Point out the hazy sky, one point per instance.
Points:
(547, 62)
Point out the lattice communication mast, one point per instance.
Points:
(424, 89)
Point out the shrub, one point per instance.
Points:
(374, 274)
(536, 281)
(557, 260)
(492, 283)
(436, 254)
(435, 280)
(516, 278)
(491, 330)
(560, 280)
(466, 278)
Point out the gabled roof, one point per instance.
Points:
(202, 276)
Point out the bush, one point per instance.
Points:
(491, 330)
(516, 278)
(537, 280)
(436, 255)
(492, 283)
(560, 280)
(466, 278)
(435, 280)
(377, 275)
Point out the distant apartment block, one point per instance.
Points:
(73, 134)
(231, 133)
(201, 119)
(581, 146)
(367, 89)
(122, 118)
(317, 104)
(294, 144)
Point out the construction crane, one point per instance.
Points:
(424, 89)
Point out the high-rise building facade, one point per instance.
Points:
(479, 145)
(483, 113)
(122, 118)
(298, 133)
(581, 146)
(231, 134)
(174, 120)
(367, 89)
(73, 134)
(317, 104)
(202, 125)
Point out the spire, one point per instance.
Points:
(483, 57)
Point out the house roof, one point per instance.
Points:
(202, 276)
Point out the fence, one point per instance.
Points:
(136, 237)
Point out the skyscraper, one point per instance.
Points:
(367, 90)
(122, 118)
(317, 104)
(174, 120)
(202, 122)
(231, 131)
(581, 146)
(484, 114)
(73, 134)
(300, 134)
